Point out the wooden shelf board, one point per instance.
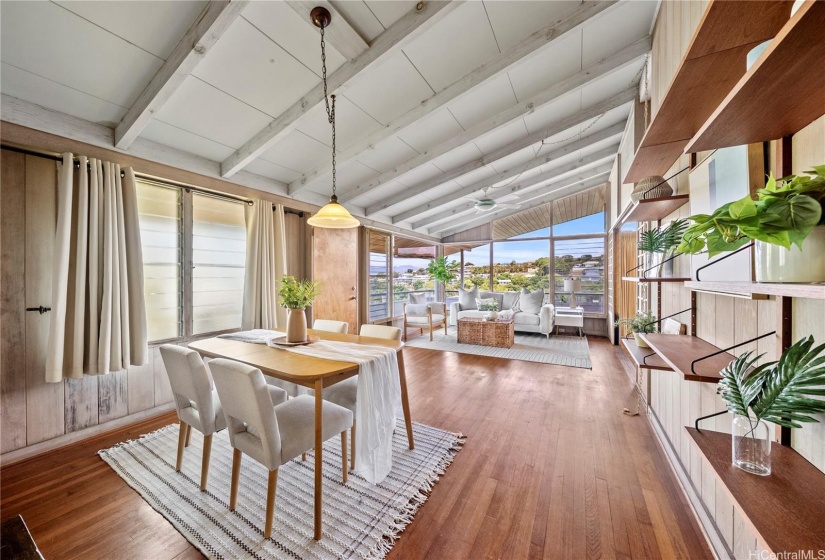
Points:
(644, 357)
(762, 106)
(809, 291)
(678, 351)
(786, 508)
(652, 280)
(712, 66)
(654, 209)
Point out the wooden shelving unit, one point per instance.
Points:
(780, 94)
(654, 209)
(786, 508)
(644, 357)
(652, 280)
(678, 351)
(809, 291)
(727, 32)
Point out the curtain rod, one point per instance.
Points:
(165, 182)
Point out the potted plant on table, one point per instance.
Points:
(641, 322)
(787, 212)
(297, 295)
(778, 392)
(660, 243)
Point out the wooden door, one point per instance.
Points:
(335, 265)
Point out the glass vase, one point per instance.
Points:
(751, 442)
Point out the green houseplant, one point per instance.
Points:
(442, 271)
(778, 392)
(660, 242)
(297, 295)
(786, 213)
(641, 322)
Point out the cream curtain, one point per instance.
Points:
(265, 265)
(98, 319)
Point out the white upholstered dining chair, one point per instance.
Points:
(196, 401)
(330, 326)
(380, 331)
(420, 315)
(272, 435)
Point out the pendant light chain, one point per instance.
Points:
(330, 107)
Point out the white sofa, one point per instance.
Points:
(543, 322)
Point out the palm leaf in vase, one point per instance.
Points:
(738, 387)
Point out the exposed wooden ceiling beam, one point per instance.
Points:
(590, 74)
(590, 183)
(190, 50)
(340, 33)
(462, 86)
(614, 131)
(389, 42)
(599, 159)
(584, 116)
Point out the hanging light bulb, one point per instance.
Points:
(333, 215)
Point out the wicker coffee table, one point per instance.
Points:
(500, 334)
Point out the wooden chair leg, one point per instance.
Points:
(270, 502)
(181, 445)
(303, 456)
(431, 329)
(236, 474)
(188, 435)
(352, 447)
(344, 460)
(207, 450)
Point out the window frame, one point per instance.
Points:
(187, 260)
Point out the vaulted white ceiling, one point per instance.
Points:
(418, 129)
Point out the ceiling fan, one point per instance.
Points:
(487, 204)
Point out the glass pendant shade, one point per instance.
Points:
(333, 216)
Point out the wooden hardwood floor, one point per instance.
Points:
(551, 469)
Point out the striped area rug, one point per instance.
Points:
(570, 351)
(360, 520)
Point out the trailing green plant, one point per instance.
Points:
(783, 214)
(442, 271)
(642, 322)
(781, 391)
(297, 294)
(662, 240)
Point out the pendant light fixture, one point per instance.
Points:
(333, 215)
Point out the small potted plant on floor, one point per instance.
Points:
(778, 392)
(641, 322)
(788, 212)
(297, 295)
(659, 243)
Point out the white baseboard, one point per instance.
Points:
(24, 453)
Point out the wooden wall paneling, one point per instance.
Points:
(808, 147)
(744, 540)
(44, 401)
(809, 441)
(113, 400)
(140, 386)
(80, 403)
(335, 265)
(163, 391)
(12, 301)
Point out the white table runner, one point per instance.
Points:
(379, 395)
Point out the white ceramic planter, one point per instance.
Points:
(777, 264)
(640, 342)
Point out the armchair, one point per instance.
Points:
(419, 315)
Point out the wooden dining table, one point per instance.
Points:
(313, 373)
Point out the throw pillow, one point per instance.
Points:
(418, 298)
(467, 298)
(530, 302)
(513, 301)
(486, 301)
(416, 309)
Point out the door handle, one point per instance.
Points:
(352, 297)
(40, 309)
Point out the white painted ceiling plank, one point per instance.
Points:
(462, 86)
(386, 44)
(608, 133)
(588, 75)
(526, 185)
(190, 50)
(340, 33)
(591, 112)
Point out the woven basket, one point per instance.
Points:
(648, 183)
(500, 334)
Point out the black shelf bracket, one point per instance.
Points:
(714, 415)
(701, 268)
(697, 360)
